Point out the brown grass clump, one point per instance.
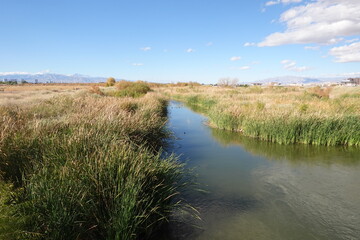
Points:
(96, 90)
(319, 92)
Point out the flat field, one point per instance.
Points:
(25, 93)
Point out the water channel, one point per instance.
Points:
(260, 190)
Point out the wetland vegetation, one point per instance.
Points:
(86, 166)
(86, 162)
(286, 115)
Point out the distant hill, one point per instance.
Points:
(46, 77)
(51, 77)
(286, 80)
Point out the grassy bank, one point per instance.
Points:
(319, 116)
(86, 167)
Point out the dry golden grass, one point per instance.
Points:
(315, 115)
(276, 100)
(25, 93)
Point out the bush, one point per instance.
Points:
(110, 82)
(131, 89)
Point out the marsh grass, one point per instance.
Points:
(87, 167)
(286, 115)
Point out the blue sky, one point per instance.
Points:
(187, 40)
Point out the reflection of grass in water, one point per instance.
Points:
(297, 153)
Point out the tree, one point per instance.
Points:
(228, 82)
(110, 82)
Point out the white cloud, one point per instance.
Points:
(288, 63)
(346, 53)
(235, 58)
(25, 73)
(270, 3)
(352, 40)
(16, 73)
(145, 49)
(291, 66)
(209, 44)
(290, 1)
(244, 67)
(240, 68)
(190, 50)
(351, 74)
(249, 44)
(311, 48)
(137, 64)
(320, 21)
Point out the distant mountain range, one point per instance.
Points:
(50, 77)
(46, 77)
(286, 80)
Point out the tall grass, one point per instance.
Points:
(87, 167)
(284, 115)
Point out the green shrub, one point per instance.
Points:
(131, 89)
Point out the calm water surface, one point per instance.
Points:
(258, 190)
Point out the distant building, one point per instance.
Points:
(273, 84)
(355, 81)
(351, 82)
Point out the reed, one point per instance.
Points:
(87, 167)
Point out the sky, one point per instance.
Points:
(180, 41)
